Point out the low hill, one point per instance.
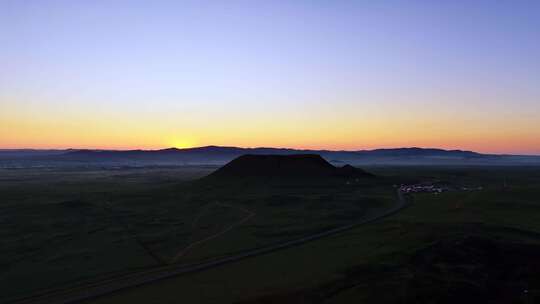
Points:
(285, 166)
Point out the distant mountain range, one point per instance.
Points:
(217, 155)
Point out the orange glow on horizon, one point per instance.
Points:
(93, 131)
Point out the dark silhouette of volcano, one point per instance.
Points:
(285, 166)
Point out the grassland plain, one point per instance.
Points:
(468, 246)
(57, 226)
(64, 227)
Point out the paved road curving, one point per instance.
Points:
(94, 290)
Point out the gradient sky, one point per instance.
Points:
(304, 74)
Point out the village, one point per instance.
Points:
(434, 188)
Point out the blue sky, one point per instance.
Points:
(329, 74)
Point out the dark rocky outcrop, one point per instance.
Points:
(283, 166)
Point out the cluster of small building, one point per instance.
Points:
(436, 189)
(479, 188)
(422, 188)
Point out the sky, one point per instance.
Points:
(340, 75)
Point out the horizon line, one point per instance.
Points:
(257, 147)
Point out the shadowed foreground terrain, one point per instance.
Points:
(476, 241)
(73, 226)
(458, 246)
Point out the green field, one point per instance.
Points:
(479, 246)
(64, 227)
